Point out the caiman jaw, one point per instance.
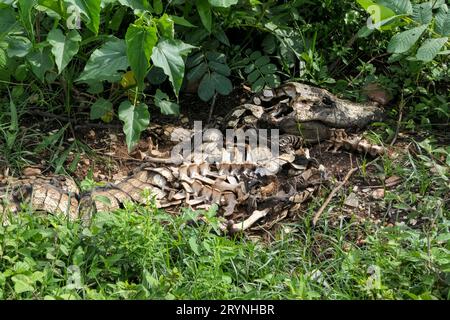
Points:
(340, 114)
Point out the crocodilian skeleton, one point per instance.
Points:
(246, 191)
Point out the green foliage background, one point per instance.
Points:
(90, 45)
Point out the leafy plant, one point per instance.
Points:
(260, 72)
(36, 36)
(211, 71)
(427, 27)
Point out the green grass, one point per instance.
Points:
(140, 253)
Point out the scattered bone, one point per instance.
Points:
(31, 172)
(378, 194)
(352, 201)
(249, 222)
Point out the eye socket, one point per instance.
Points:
(328, 102)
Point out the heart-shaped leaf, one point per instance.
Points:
(404, 41)
(40, 62)
(100, 108)
(169, 55)
(135, 119)
(106, 62)
(430, 48)
(140, 41)
(204, 11)
(167, 107)
(64, 48)
(90, 11)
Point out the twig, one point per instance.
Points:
(34, 111)
(399, 121)
(212, 108)
(331, 195)
(98, 126)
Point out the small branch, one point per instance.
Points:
(98, 126)
(34, 111)
(331, 195)
(399, 121)
(212, 108)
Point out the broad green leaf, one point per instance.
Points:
(106, 62)
(18, 46)
(404, 41)
(206, 88)
(269, 44)
(221, 36)
(423, 13)
(249, 68)
(90, 11)
(94, 87)
(156, 76)
(268, 68)
(255, 55)
(182, 22)
(136, 119)
(272, 80)
(26, 13)
(211, 83)
(220, 68)
(258, 85)
(21, 72)
(136, 4)
(40, 61)
(140, 42)
(365, 4)
(117, 19)
(64, 47)
(194, 246)
(3, 59)
(22, 283)
(377, 12)
(253, 76)
(262, 61)
(169, 55)
(364, 32)
(100, 108)
(216, 56)
(223, 3)
(443, 22)
(222, 84)
(195, 59)
(430, 48)
(167, 107)
(399, 6)
(197, 72)
(166, 26)
(158, 6)
(54, 8)
(204, 11)
(128, 80)
(8, 21)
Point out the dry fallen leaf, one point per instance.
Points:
(392, 181)
(378, 194)
(352, 201)
(30, 171)
(138, 154)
